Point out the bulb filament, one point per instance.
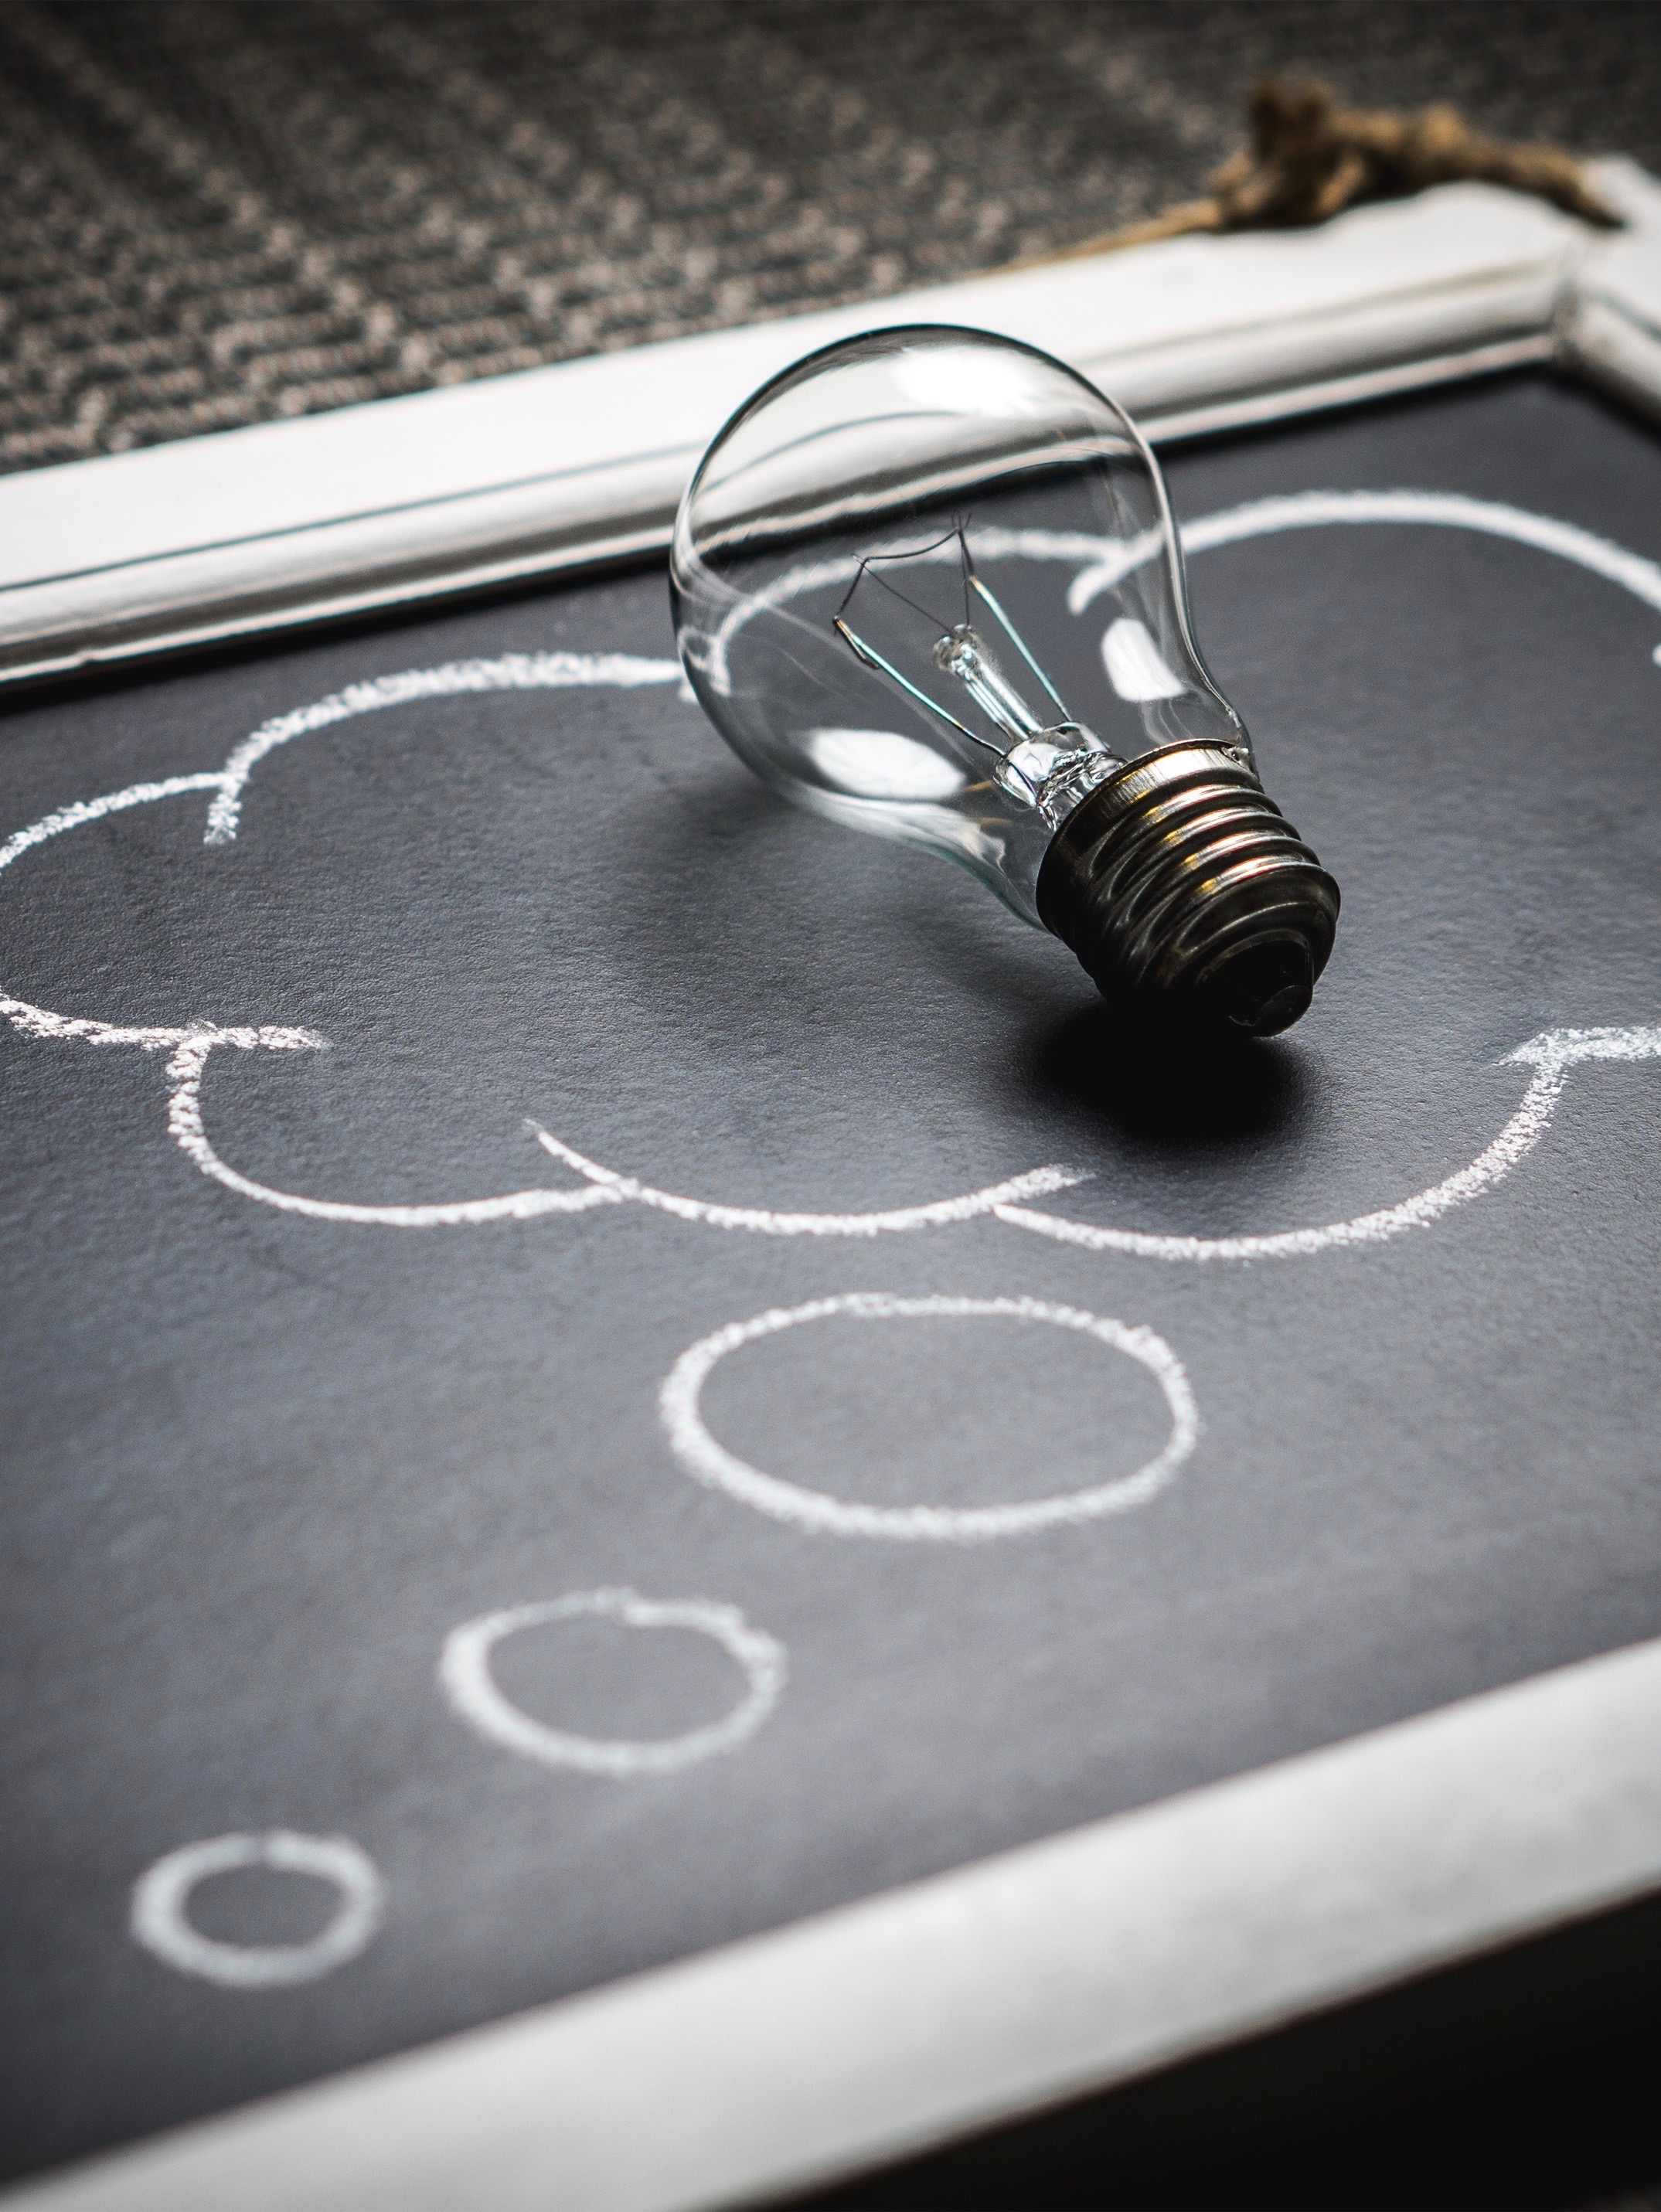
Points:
(1045, 760)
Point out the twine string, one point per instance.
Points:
(1309, 158)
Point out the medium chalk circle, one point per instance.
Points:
(713, 1464)
(160, 1898)
(464, 1673)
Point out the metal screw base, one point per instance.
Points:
(1183, 887)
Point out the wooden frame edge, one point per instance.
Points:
(979, 1995)
(405, 503)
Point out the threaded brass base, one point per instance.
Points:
(1183, 887)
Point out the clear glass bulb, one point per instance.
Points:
(927, 583)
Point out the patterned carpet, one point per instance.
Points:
(223, 212)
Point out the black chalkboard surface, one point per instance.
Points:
(336, 1444)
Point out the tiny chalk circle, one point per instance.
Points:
(159, 1917)
(712, 1464)
(464, 1675)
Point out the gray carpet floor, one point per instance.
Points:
(226, 211)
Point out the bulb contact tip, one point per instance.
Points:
(1184, 891)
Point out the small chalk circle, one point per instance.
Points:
(464, 1675)
(159, 1915)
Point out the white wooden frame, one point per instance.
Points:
(1063, 1967)
(404, 501)
(1089, 1958)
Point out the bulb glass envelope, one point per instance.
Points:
(870, 573)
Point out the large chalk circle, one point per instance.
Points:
(678, 1402)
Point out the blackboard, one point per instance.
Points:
(280, 1479)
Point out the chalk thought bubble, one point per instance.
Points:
(187, 1047)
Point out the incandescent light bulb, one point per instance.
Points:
(927, 583)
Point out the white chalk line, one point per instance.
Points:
(1552, 1054)
(512, 671)
(189, 1046)
(601, 1186)
(713, 1465)
(185, 1125)
(158, 1916)
(93, 810)
(940, 1214)
(1308, 510)
(40, 1021)
(466, 1676)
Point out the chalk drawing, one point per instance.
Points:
(1100, 563)
(1036, 1184)
(1551, 1055)
(189, 1046)
(514, 672)
(158, 1917)
(711, 1463)
(1448, 510)
(465, 1673)
(185, 1125)
(40, 1021)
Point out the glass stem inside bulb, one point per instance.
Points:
(1046, 761)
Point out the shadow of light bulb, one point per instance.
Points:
(1207, 1090)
